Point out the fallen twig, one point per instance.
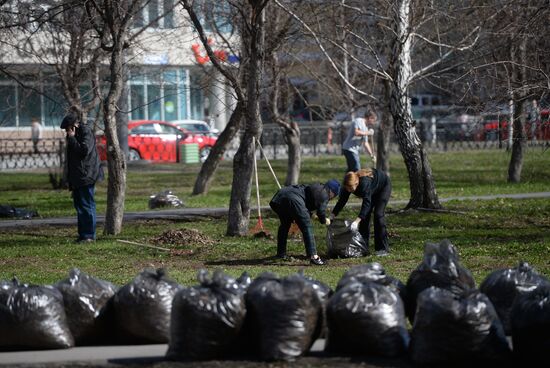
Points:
(143, 245)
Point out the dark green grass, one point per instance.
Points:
(488, 234)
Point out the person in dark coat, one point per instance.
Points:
(296, 203)
(82, 171)
(374, 187)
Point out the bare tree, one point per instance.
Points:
(421, 44)
(251, 28)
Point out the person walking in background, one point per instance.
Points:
(36, 133)
(296, 203)
(374, 187)
(356, 138)
(83, 170)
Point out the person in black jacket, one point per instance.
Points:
(83, 170)
(374, 187)
(296, 203)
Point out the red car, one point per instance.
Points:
(156, 141)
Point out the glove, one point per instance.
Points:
(355, 225)
(327, 221)
(373, 159)
(370, 131)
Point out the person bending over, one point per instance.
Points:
(374, 187)
(296, 203)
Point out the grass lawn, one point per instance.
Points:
(489, 234)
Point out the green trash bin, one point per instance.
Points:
(189, 153)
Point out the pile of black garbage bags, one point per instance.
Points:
(279, 318)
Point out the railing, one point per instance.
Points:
(323, 138)
(24, 154)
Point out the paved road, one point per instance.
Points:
(191, 213)
(153, 356)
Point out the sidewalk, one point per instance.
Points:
(190, 213)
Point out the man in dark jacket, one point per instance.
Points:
(83, 170)
(374, 188)
(296, 203)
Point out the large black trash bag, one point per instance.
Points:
(142, 308)
(366, 318)
(440, 268)
(376, 273)
(32, 316)
(15, 212)
(282, 316)
(86, 300)
(452, 329)
(503, 286)
(530, 323)
(342, 242)
(164, 199)
(207, 319)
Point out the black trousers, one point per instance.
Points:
(378, 208)
(289, 212)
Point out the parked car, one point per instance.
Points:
(157, 141)
(196, 127)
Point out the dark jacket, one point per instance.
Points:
(367, 188)
(309, 198)
(82, 158)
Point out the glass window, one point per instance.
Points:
(425, 101)
(54, 105)
(154, 102)
(182, 94)
(197, 99)
(7, 106)
(137, 99)
(169, 18)
(414, 101)
(435, 101)
(29, 106)
(153, 12)
(144, 129)
(170, 102)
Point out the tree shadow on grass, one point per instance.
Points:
(271, 261)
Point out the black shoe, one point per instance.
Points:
(317, 261)
(85, 240)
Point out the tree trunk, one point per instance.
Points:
(204, 179)
(384, 133)
(253, 47)
(518, 147)
(122, 111)
(116, 184)
(422, 187)
(519, 138)
(292, 138)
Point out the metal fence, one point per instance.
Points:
(24, 154)
(323, 138)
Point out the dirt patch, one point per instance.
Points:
(183, 238)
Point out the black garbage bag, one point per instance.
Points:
(282, 316)
(324, 292)
(207, 319)
(440, 268)
(15, 212)
(373, 272)
(142, 308)
(164, 199)
(503, 286)
(342, 242)
(530, 324)
(86, 301)
(366, 318)
(459, 330)
(32, 317)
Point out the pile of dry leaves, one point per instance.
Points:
(183, 237)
